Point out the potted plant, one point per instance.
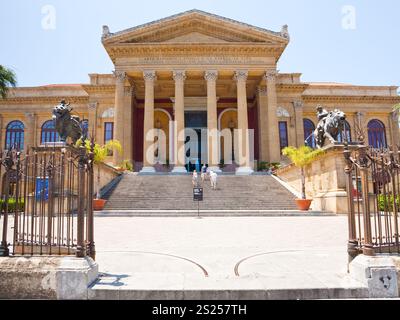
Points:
(301, 157)
(100, 155)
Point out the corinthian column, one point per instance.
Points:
(212, 121)
(179, 77)
(148, 126)
(119, 114)
(273, 134)
(30, 136)
(262, 113)
(243, 154)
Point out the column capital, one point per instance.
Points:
(149, 75)
(92, 106)
(270, 75)
(241, 75)
(211, 75)
(120, 75)
(179, 75)
(298, 104)
(262, 91)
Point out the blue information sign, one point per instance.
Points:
(42, 188)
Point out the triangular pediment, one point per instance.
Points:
(198, 37)
(194, 27)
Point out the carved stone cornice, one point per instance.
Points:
(179, 75)
(289, 87)
(120, 75)
(211, 75)
(228, 30)
(241, 75)
(149, 75)
(43, 100)
(219, 52)
(99, 88)
(351, 99)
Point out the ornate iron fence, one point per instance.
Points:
(46, 202)
(373, 190)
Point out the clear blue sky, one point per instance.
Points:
(320, 48)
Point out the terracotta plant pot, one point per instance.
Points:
(98, 204)
(303, 204)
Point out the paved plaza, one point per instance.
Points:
(252, 257)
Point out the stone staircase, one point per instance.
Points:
(169, 192)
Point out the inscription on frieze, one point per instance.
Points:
(200, 60)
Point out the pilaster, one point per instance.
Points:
(120, 77)
(299, 125)
(30, 139)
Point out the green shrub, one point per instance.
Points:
(12, 203)
(127, 165)
(385, 202)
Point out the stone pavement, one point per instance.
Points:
(223, 258)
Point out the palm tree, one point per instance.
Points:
(301, 157)
(7, 79)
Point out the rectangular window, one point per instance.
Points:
(283, 134)
(108, 131)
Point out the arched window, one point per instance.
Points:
(376, 134)
(15, 135)
(345, 133)
(49, 133)
(309, 129)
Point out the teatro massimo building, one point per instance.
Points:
(201, 71)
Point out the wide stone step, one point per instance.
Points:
(175, 192)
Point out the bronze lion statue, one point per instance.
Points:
(66, 125)
(331, 125)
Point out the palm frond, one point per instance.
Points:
(7, 79)
(302, 156)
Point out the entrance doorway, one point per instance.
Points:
(196, 140)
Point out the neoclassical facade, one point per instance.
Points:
(197, 71)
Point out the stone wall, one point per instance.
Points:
(107, 174)
(325, 181)
(46, 277)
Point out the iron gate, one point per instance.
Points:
(373, 190)
(46, 202)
